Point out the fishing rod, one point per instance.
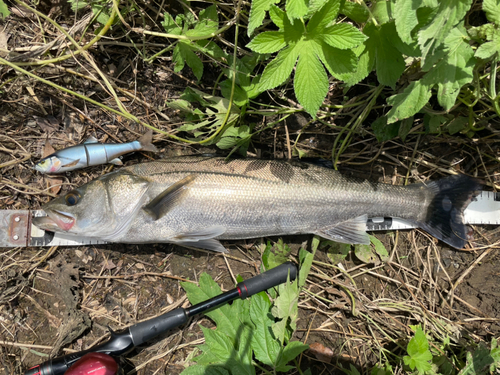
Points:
(124, 341)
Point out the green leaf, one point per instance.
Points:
(285, 308)
(419, 354)
(383, 11)
(430, 37)
(337, 251)
(306, 259)
(309, 69)
(492, 10)
(4, 9)
(405, 127)
(457, 125)
(102, 13)
(365, 254)
(323, 17)
(170, 25)
(488, 49)
(433, 123)
(409, 102)
(389, 61)
(222, 316)
(194, 62)
(208, 22)
(338, 62)
(379, 248)
(258, 9)
(278, 70)
(405, 15)
(218, 347)
(355, 12)
(232, 135)
(266, 347)
(384, 131)
(343, 36)
(268, 42)
(205, 370)
(366, 61)
(290, 352)
(454, 70)
(296, 8)
(277, 16)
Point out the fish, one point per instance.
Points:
(197, 201)
(91, 153)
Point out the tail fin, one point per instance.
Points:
(145, 142)
(444, 218)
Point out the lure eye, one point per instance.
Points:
(72, 198)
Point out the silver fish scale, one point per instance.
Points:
(254, 198)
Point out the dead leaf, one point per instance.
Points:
(321, 352)
(48, 124)
(108, 265)
(4, 37)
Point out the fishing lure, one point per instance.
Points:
(91, 153)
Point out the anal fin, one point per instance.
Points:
(352, 231)
(162, 203)
(115, 161)
(202, 239)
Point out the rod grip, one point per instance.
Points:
(145, 331)
(268, 279)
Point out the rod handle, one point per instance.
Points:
(267, 280)
(145, 331)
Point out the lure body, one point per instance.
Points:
(92, 153)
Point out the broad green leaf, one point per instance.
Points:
(296, 8)
(205, 370)
(278, 70)
(258, 9)
(290, 352)
(390, 33)
(222, 316)
(337, 251)
(309, 69)
(355, 12)
(405, 15)
(242, 363)
(4, 9)
(365, 254)
(208, 22)
(102, 13)
(384, 131)
(343, 36)
(277, 16)
(457, 125)
(430, 37)
(294, 32)
(389, 61)
(268, 42)
(405, 127)
(338, 62)
(306, 259)
(379, 248)
(218, 347)
(170, 25)
(433, 123)
(454, 70)
(488, 49)
(492, 10)
(285, 307)
(419, 353)
(409, 102)
(232, 135)
(240, 97)
(193, 61)
(323, 17)
(366, 61)
(178, 59)
(383, 11)
(265, 346)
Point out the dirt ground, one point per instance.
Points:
(57, 300)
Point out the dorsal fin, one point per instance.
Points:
(91, 139)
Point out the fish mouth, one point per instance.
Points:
(55, 220)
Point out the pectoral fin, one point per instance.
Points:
(162, 203)
(71, 164)
(351, 231)
(116, 161)
(202, 239)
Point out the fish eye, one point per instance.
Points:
(72, 198)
